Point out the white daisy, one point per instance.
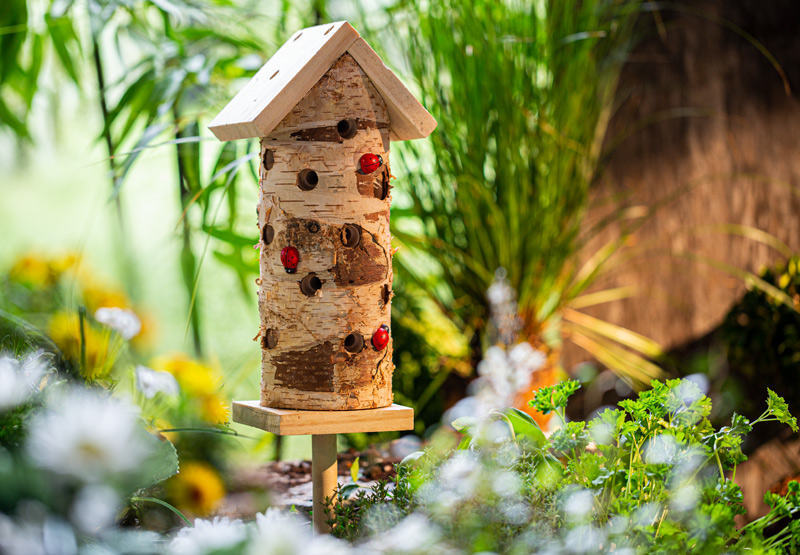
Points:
(123, 321)
(19, 379)
(150, 382)
(282, 533)
(94, 508)
(88, 437)
(209, 535)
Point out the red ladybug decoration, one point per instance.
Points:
(369, 163)
(381, 337)
(289, 258)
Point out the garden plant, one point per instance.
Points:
(112, 441)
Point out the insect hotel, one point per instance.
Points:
(325, 109)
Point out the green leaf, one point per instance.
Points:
(355, 469)
(189, 157)
(554, 397)
(779, 409)
(160, 465)
(147, 137)
(526, 427)
(464, 423)
(63, 37)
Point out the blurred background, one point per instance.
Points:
(626, 167)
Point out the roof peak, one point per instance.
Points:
(297, 66)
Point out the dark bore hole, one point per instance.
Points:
(313, 227)
(351, 235)
(380, 187)
(347, 128)
(268, 234)
(385, 294)
(268, 159)
(310, 284)
(354, 343)
(270, 339)
(307, 179)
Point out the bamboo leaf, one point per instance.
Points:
(63, 38)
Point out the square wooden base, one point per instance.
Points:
(322, 426)
(289, 422)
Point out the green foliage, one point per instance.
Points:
(778, 407)
(653, 476)
(353, 502)
(759, 340)
(554, 397)
(522, 93)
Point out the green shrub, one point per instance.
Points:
(650, 476)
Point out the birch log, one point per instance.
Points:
(338, 220)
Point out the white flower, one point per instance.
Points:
(123, 321)
(578, 506)
(209, 535)
(525, 360)
(504, 374)
(415, 534)
(150, 382)
(88, 437)
(20, 378)
(660, 449)
(281, 533)
(94, 508)
(584, 539)
(19, 539)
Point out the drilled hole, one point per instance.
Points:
(274, 74)
(313, 227)
(267, 234)
(307, 179)
(310, 284)
(298, 36)
(354, 343)
(351, 235)
(347, 128)
(268, 160)
(380, 187)
(270, 339)
(330, 29)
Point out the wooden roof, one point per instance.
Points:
(295, 69)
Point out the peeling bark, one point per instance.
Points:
(308, 367)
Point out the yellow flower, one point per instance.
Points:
(199, 383)
(214, 409)
(197, 489)
(195, 379)
(39, 271)
(64, 330)
(97, 296)
(64, 262)
(32, 270)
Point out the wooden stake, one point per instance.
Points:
(324, 476)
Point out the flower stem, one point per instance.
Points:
(182, 516)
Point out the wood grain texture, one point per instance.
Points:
(324, 478)
(720, 141)
(296, 67)
(409, 119)
(287, 422)
(309, 367)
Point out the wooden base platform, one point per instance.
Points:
(288, 422)
(322, 426)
